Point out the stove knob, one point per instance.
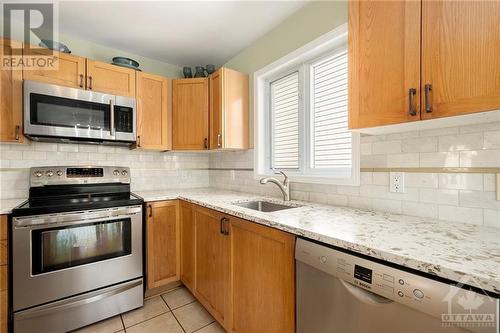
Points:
(49, 173)
(38, 173)
(124, 173)
(116, 172)
(59, 173)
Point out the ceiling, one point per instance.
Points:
(176, 32)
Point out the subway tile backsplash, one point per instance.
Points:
(149, 170)
(453, 197)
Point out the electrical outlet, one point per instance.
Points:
(397, 182)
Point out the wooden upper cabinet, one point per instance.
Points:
(263, 271)
(190, 114)
(11, 96)
(384, 62)
(460, 57)
(212, 264)
(187, 244)
(229, 110)
(163, 243)
(110, 79)
(154, 113)
(69, 70)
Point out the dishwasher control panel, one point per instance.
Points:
(392, 284)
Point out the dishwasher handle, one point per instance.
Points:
(365, 296)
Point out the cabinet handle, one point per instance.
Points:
(138, 141)
(221, 226)
(81, 81)
(150, 211)
(205, 143)
(90, 82)
(428, 104)
(412, 92)
(219, 140)
(225, 224)
(18, 129)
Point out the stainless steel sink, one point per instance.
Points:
(263, 206)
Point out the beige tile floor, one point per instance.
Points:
(176, 311)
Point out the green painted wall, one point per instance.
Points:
(103, 53)
(307, 24)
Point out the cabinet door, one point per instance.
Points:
(69, 70)
(11, 97)
(216, 105)
(212, 263)
(263, 297)
(110, 79)
(162, 241)
(3, 275)
(229, 110)
(460, 57)
(384, 62)
(187, 245)
(154, 116)
(190, 114)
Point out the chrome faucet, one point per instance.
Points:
(284, 187)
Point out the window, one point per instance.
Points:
(302, 117)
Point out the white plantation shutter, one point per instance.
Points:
(331, 142)
(285, 122)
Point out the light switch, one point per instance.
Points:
(498, 186)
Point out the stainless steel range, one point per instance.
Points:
(76, 249)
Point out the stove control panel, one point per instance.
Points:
(56, 175)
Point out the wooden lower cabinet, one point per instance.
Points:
(187, 245)
(212, 264)
(245, 276)
(3, 275)
(263, 277)
(163, 240)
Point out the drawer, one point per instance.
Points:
(3, 311)
(3, 252)
(3, 227)
(3, 277)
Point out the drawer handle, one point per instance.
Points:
(428, 103)
(412, 92)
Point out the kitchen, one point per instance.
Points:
(337, 166)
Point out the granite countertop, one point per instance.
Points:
(459, 252)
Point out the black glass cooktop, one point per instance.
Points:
(55, 199)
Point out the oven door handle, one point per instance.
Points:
(363, 295)
(82, 300)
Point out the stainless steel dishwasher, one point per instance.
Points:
(340, 292)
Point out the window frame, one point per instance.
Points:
(299, 61)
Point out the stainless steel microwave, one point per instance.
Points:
(63, 114)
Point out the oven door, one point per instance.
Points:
(60, 255)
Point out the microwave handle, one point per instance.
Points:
(112, 116)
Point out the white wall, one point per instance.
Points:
(455, 197)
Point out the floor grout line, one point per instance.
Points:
(123, 323)
(146, 320)
(199, 329)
